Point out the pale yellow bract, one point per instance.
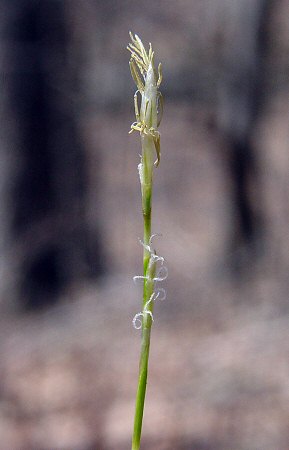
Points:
(147, 80)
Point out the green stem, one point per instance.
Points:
(149, 269)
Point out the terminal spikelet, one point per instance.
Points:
(148, 80)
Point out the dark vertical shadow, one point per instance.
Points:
(49, 188)
(247, 94)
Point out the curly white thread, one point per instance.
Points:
(153, 255)
(160, 293)
(142, 314)
(160, 277)
(137, 278)
(136, 320)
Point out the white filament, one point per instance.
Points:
(162, 274)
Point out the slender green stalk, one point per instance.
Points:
(148, 288)
(147, 80)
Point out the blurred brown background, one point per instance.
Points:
(70, 219)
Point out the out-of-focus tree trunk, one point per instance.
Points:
(242, 98)
(53, 245)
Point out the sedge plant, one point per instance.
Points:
(148, 116)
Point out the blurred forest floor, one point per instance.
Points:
(219, 369)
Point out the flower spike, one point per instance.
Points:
(147, 80)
